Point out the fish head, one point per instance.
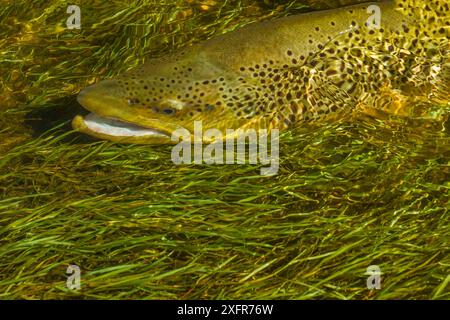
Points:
(148, 104)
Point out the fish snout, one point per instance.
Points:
(95, 96)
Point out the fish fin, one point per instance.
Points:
(441, 89)
(388, 102)
(429, 44)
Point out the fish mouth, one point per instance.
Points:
(118, 130)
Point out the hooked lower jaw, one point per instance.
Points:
(115, 127)
(118, 131)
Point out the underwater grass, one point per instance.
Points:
(349, 194)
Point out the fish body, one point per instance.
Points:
(280, 73)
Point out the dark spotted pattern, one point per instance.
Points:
(361, 66)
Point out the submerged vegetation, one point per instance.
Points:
(357, 192)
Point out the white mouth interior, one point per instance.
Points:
(117, 128)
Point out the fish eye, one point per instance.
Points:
(168, 111)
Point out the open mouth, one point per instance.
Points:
(114, 127)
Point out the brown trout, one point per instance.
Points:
(280, 73)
